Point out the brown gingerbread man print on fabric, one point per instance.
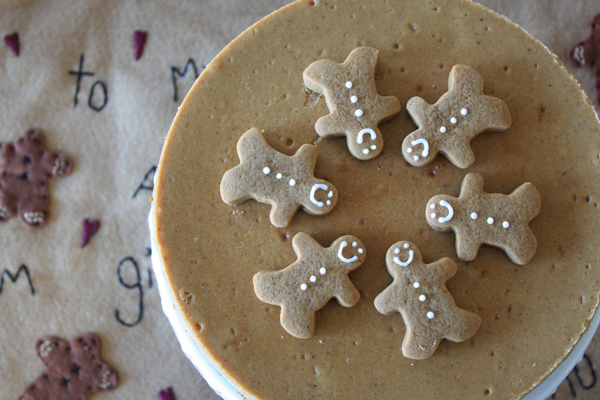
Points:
(419, 294)
(285, 182)
(318, 275)
(587, 53)
(74, 370)
(496, 219)
(25, 168)
(356, 108)
(449, 125)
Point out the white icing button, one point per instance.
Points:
(353, 99)
(303, 286)
(490, 220)
(279, 176)
(366, 151)
(443, 129)
(416, 285)
(360, 251)
(354, 244)
(397, 251)
(358, 112)
(464, 111)
(430, 315)
(453, 120)
(406, 245)
(433, 215)
(432, 206)
(409, 150)
(292, 182)
(322, 271)
(313, 278)
(505, 224)
(267, 170)
(474, 215)
(416, 158)
(373, 147)
(349, 84)
(328, 202)
(422, 297)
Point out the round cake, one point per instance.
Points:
(532, 315)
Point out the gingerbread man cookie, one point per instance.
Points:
(308, 284)
(274, 178)
(449, 125)
(419, 293)
(74, 370)
(587, 52)
(496, 219)
(25, 168)
(352, 98)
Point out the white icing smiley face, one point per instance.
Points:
(356, 250)
(441, 211)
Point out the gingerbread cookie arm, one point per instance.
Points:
(346, 294)
(466, 80)
(282, 213)
(388, 301)
(529, 198)
(472, 186)
(461, 155)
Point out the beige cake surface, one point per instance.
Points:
(532, 315)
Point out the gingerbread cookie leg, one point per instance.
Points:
(305, 286)
(419, 294)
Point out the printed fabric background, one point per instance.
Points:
(70, 69)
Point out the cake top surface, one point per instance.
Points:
(532, 315)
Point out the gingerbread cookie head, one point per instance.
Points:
(419, 294)
(74, 370)
(587, 52)
(318, 275)
(449, 125)
(480, 218)
(356, 108)
(286, 183)
(25, 167)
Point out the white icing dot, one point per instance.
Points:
(358, 112)
(430, 315)
(279, 176)
(474, 215)
(349, 84)
(416, 158)
(292, 182)
(464, 111)
(373, 147)
(322, 271)
(416, 285)
(432, 206)
(409, 150)
(453, 120)
(366, 151)
(354, 244)
(397, 251)
(313, 278)
(360, 251)
(433, 215)
(490, 220)
(328, 202)
(422, 297)
(330, 194)
(443, 129)
(406, 246)
(353, 99)
(303, 286)
(267, 170)
(505, 224)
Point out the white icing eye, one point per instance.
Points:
(397, 251)
(267, 170)
(313, 279)
(409, 150)
(292, 182)
(505, 224)
(349, 84)
(453, 120)
(432, 206)
(430, 315)
(416, 285)
(490, 220)
(330, 194)
(360, 251)
(303, 286)
(279, 176)
(406, 246)
(373, 147)
(474, 215)
(322, 271)
(354, 244)
(416, 158)
(464, 111)
(353, 99)
(358, 112)
(443, 129)
(422, 297)
(366, 151)
(433, 215)
(328, 202)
